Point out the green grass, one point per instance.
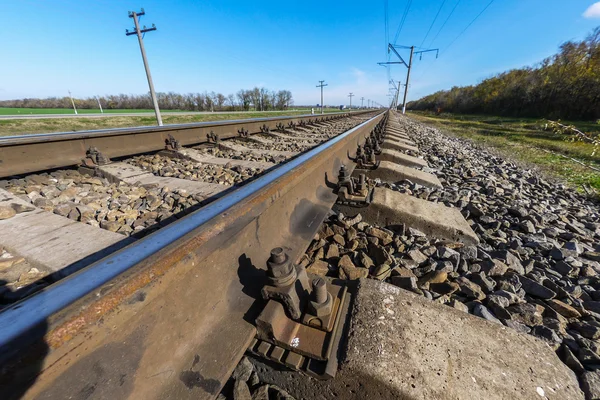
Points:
(42, 111)
(524, 139)
(9, 127)
(26, 111)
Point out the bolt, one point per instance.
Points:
(320, 290)
(277, 255)
(362, 181)
(343, 174)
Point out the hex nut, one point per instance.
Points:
(321, 310)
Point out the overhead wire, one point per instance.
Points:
(406, 10)
(432, 23)
(398, 31)
(387, 24)
(444, 24)
(459, 35)
(468, 26)
(387, 37)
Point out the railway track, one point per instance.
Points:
(54, 233)
(249, 237)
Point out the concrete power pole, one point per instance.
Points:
(362, 99)
(412, 50)
(72, 102)
(393, 48)
(321, 85)
(138, 32)
(100, 105)
(351, 95)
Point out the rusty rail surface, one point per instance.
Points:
(31, 153)
(171, 315)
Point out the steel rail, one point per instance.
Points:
(31, 153)
(170, 315)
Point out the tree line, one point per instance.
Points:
(258, 99)
(565, 85)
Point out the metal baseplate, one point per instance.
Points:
(302, 323)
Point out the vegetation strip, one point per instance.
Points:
(525, 140)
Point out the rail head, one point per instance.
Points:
(38, 152)
(57, 136)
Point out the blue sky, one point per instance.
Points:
(49, 47)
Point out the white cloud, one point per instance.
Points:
(593, 11)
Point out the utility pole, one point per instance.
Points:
(412, 50)
(362, 99)
(138, 32)
(351, 95)
(72, 102)
(321, 85)
(393, 48)
(100, 105)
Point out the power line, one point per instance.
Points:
(431, 26)
(445, 22)
(387, 23)
(408, 4)
(458, 36)
(468, 26)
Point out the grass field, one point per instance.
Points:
(9, 127)
(41, 111)
(25, 111)
(525, 140)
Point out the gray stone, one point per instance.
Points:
(481, 311)
(587, 330)
(588, 357)
(517, 326)
(417, 256)
(590, 383)
(527, 227)
(512, 261)
(486, 283)
(533, 288)
(241, 391)
(470, 289)
(545, 333)
(520, 212)
(574, 248)
(563, 268)
(525, 313)
(570, 360)
(468, 252)
(498, 300)
(243, 370)
(262, 392)
(494, 267)
(593, 306)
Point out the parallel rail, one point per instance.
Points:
(32, 153)
(170, 315)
